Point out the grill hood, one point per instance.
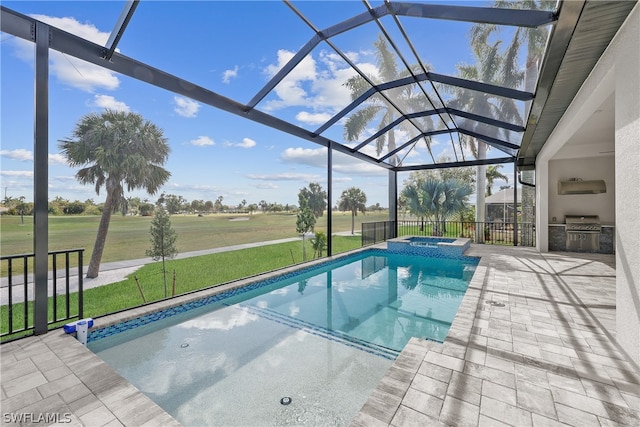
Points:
(577, 186)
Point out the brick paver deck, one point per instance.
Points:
(532, 344)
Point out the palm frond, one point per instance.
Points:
(117, 148)
(386, 60)
(357, 122)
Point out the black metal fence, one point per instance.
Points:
(493, 233)
(379, 231)
(65, 295)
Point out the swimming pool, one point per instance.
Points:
(323, 337)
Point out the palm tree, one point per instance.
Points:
(116, 149)
(353, 199)
(535, 40)
(218, 204)
(491, 67)
(8, 202)
(437, 199)
(493, 174)
(378, 108)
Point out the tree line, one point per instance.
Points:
(136, 206)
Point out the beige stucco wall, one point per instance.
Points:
(590, 168)
(626, 54)
(617, 72)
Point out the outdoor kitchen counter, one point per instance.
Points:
(562, 224)
(558, 238)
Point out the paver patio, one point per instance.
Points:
(532, 344)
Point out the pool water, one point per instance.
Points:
(323, 338)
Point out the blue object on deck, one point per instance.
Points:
(70, 328)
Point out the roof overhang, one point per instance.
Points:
(583, 31)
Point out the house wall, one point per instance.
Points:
(626, 55)
(603, 205)
(617, 73)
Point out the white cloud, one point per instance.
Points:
(316, 86)
(109, 102)
(358, 168)
(227, 75)
(57, 159)
(313, 119)
(23, 155)
(246, 143)
(65, 178)
(267, 186)
(192, 187)
(69, 70)
(308, 156)
(290, 90)
(17, 173)
(285, 177)
(342, 163)
(82, 75)
(342, 179)
(19, 154)
(202, 141)
(353, 56)
(86, 31)
(224, 321)
(185, 107)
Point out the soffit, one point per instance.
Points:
(598, 23)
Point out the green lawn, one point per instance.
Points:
(128, 236)
(191, 274)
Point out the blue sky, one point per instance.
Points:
(231, 48)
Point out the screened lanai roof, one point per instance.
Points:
(442, 77)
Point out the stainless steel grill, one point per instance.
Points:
(583, 232)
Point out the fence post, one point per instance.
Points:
(80, 286)
(40, 180)
(10, 289)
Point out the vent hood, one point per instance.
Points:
(578, 186)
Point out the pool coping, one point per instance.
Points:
(457, 241)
